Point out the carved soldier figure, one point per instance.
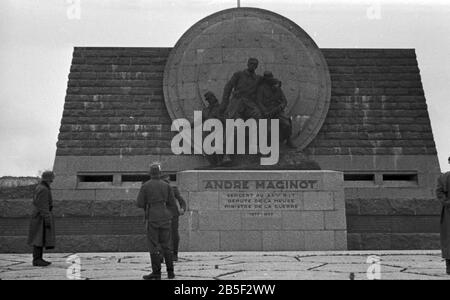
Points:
(272, 102)
(443, 194)
(213, 111)
(239, 93)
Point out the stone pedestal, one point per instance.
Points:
(231, 210)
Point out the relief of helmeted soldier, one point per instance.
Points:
(213, 111)
(272, 102)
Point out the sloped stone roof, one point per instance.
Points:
(114, 104)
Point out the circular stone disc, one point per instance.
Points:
(208, 54)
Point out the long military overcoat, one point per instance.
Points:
(42, 225)
(442, 193)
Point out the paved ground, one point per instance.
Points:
(236, 265)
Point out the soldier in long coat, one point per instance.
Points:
(157, 199)
(443, 194)
(42, 227)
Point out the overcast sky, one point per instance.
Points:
(37, 40)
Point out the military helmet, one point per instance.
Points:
(155, 169)
(253, 59)
(48, 175)
(268, 74)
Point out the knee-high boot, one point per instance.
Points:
(447, 263)
(169, 264)
(37, 257)
(37, 253)
(156, 268)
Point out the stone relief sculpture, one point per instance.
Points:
(248, 95)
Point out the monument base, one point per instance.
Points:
(237, 210)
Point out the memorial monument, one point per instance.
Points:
(359, 114)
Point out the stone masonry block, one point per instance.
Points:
(73, 194)
(69, 208)
(204, 240)
(240, 240)
(220, 220)
(352, 206)
(189, 221)
(16, 208)
(339, 200)
(184, 241)
(3, 208)
(335, 220)
(318, 200)
(376, 241)
(84, 243)
(116, 194)
(106, 208)
(129, 209)
(340, 240)
(428, 207)
(203, 201)
(65, 181)
(14, 244)
(375, 207)
(333, 181)
(402, 206)
(354, 241)
(133, 243)
(313, 220)
(187, 181)
(283, 241)
(319, 240)
(262, 221)
(415, 241)
(104, 243)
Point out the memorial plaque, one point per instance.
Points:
(237, 200)
(269, 185)
(248, 209)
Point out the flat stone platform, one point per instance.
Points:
(236, 265)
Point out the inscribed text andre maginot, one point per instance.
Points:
(268, 195)
(292, 185)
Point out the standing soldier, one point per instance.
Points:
(156, 198)
(178, 211)
(42, 228)
(443, 194)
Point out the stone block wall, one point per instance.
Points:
(393, 224)
(117, 225)
(115, 105)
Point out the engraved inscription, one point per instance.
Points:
(260, 201)
(291, 185)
